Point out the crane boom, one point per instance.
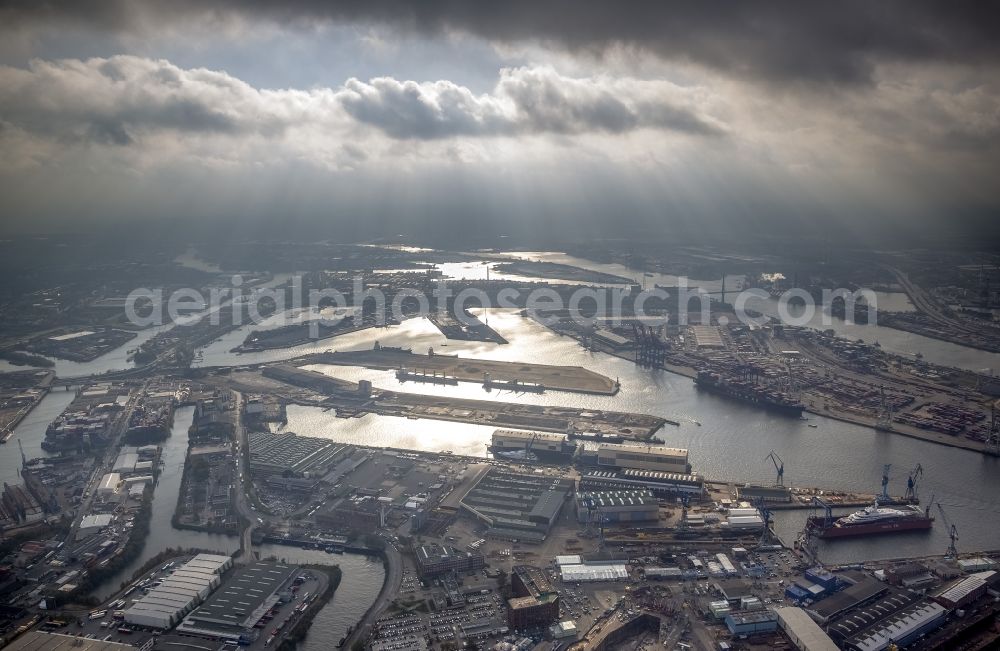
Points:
(779, 467)
(952, 551)
(911, 483)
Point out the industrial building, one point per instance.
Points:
(766, 493)
(109, 484)
(664, 484)
(543, 444)
(281, 454)
(613, 507)
(900, 628)
(177, 594)
(663, 573)
(535, 602)
(590, 572)
(355, 514)
(126, 460)
(862, 590)
(734, 591)
(751, 622)
(92, 524)
(563, 630)
(612, 340)
(707, 336)
(643, 457)
(962, 592)
(516, 506)
(804, 633)
(977, 564)
(242, 600)
(434, 559)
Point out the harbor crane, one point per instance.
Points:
(827, 510)
(952, 551)
(911, 483)
(884, 496)
(779, 466)
(765, 514)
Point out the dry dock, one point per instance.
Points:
(554, 378)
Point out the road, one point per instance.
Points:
(243, 506)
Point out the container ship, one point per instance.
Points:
(748, 392)
(872, 520)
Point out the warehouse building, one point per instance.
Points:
(244, 598)
(543, 444)
(862, 590)
(663, 484)
(434, 559)
(92, 524)
(126, 460)
(962, 592)
(901, 628)
(751, 622)
(280, 454)
(177, 594)
(109, 485)
(663, 573)
(643, 457)
(855, 622)
(515, 506)
(803, 632)
(976, 564)
(613, 507)
(595, 571)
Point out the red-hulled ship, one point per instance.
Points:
(872, 520)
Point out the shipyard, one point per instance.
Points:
(534, 326)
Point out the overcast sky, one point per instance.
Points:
(847, 120)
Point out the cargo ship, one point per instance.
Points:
(766, 398)
(872, 520)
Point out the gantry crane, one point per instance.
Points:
(779, 466)
(911, 483)
(952, 534)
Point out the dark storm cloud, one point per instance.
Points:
(836, 42)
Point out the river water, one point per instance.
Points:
(162, 534)
(731, 441)
(360, 584)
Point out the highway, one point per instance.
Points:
(928, 305)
